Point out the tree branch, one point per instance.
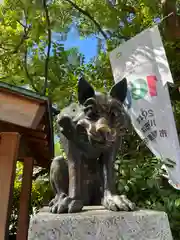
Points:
(23, 38)
(49, 47)
(85, 13)
(25, 35)
(26, 30)
(27, 72)
(125, 7)
(24, 26)
(172, 23)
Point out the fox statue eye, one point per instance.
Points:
(114, 114)
(91, 112)
(88, 110)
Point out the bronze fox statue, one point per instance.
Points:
(90, 132)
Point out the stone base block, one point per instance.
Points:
(96, 223)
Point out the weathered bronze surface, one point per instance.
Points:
(90, 133)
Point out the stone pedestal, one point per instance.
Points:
(95, 223)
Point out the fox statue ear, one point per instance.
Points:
(85, 90)
(119, 90)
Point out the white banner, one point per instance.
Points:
(142, 60)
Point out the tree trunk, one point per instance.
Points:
(172, 23)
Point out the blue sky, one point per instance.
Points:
(86, 46)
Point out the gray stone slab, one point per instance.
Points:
(96, 223)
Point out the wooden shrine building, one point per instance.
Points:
(26, 134)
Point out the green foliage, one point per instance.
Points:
(140, 176)
(16, 195)
(59, 150)
(41, 194)
(142, 181)
(23, 48)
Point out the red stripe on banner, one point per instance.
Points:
(151, 80)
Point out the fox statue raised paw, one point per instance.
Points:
(90, 133)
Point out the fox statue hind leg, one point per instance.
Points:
(59, 179)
